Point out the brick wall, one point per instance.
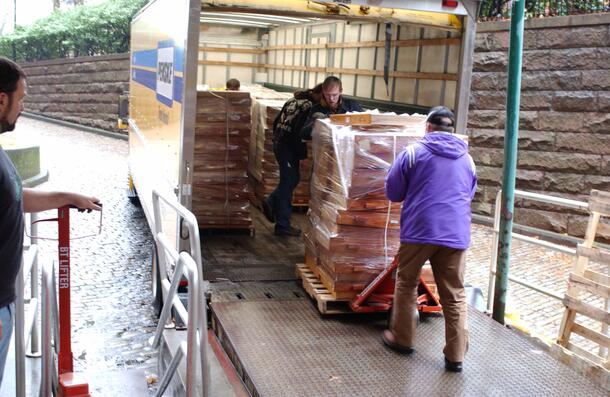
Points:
(81, 90)
(564, 137)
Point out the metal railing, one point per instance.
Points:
(581, 205)
(50, 331)
(196, 316)
(26, 324)
(190, 348)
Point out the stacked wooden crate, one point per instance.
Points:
(262, 162)
(263, 168)
(353, 230)
(220, 169)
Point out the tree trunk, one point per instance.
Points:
(55, 5)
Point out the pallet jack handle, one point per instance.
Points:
(70, 384)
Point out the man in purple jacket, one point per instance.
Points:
(435, 179)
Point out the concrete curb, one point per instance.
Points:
(93, 130)
(37, 180)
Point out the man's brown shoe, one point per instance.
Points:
(390, 341)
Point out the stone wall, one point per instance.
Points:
(564, 137)
(81, 90)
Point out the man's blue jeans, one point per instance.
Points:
(6, 325)
(280, 200)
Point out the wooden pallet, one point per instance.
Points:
(312, 263)
(582, 279)
(326, 302)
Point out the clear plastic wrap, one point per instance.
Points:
(266, 103)
(222, 138)
(354, 231)
(261, 138)
(262, 166)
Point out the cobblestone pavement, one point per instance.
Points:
(112, 316)
(112, 313)
(542, 267)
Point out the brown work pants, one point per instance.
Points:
(448, 267)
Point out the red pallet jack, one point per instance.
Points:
(70, 383)
(379, 294)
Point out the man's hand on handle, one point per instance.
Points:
(85, 203)
(36, 200)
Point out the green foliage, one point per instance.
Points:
(499, 9)
(80, 31)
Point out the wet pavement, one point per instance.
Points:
(113, 318)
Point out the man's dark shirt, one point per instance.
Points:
(11, 228)
(288, 124)
(346, 105)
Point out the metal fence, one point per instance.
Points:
(26, 312)
(541, 198)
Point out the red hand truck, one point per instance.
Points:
(70, 384)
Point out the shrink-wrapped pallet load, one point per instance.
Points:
(263, 168)
(353, 230)
(266, 103)
(220, 169)
(262, 161)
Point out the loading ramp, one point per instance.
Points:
(280, 345)
(285, 348)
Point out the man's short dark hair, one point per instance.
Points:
(317, 89)
(10, 73)
(442, 118)
(332, 81)
(233, 85)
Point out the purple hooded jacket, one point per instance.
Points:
(435, 179)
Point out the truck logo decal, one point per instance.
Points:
(165, 73)
(160, 70)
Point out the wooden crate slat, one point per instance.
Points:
(579, 363)
(587, 310)
(594, 253)
(595, 336)
(368, 219)
(600, 202)
(593, 282)
(597, 277)
(589, 285)
(584, 353)
(600, 196)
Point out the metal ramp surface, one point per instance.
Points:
(285, 348)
